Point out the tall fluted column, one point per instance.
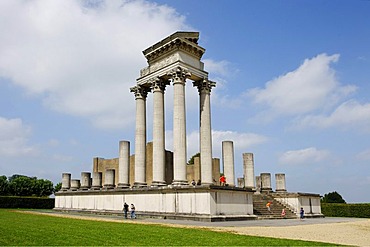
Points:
(124, 164)
(248, 165)
(140, 135)
(205, 134)
(228, 162)
(158, 87)
(179, 76)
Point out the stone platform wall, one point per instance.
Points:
(309, 202)
(197, 203)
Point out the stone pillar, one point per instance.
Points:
(75, 184)
(85, 180)
(241, 182)
(179, 76)
(228, 162)
(266, 182)
(96, 181)
(280, 182)
(248, 166)
(205, 130)
(66, 181)
(158, 87)
(258, 184)
(109, 182)
(140, 135)
(124, 164)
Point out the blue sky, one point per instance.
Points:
(292, 85)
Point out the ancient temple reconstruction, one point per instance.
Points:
(160, 182)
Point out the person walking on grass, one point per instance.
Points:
(133, 216)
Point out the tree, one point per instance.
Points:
(4, 186)
(333, 197)
(58, 187)
(20, 185)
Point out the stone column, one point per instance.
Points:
(75, 184)
(179, 76)
(140, 135)
(158, 87)
(266, 182)
(258, 184)
(85, 180)
(228, 162)
(280, 182)
(124, 164)
(96, 181)
(205, 131)
(240, 182)
(109, 182)
(248, 165)
(66, 181)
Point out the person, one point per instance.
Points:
(193, 182)
(268, 205)
(199, 182)
(283, 213)
(301, 214)
(223, 180)
(133, 216)
(125, 209)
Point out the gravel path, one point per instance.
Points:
(347, 231)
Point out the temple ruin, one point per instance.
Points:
(159, 181)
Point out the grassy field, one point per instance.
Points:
(22, 229)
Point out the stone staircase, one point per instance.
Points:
(261, 211)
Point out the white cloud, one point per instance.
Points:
(81, 57)
(306, 156)
(364, 155)
(310, 87)
(14, 138)
(350, 114)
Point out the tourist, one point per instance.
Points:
(125, 209)
(301, 214)
(133, 216)
(193, 182)
(268, 205)
(283, 213)
(199, 182)
(222, 180)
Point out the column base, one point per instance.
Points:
(158, 183)
(179, 182)
(281, 191)
(139, 185)
(123, 186)
(96, 187)
(109, 186)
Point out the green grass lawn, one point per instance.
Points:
(22, 229)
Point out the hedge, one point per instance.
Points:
(355, 210)
(26, 202)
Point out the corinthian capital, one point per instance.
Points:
(179, 75)
(158, 84)
(140, 91)
(204, 86)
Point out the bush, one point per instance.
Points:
(26, 202)
(358, 210)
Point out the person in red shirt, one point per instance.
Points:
(223, 180)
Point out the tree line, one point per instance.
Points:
(21, 185)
